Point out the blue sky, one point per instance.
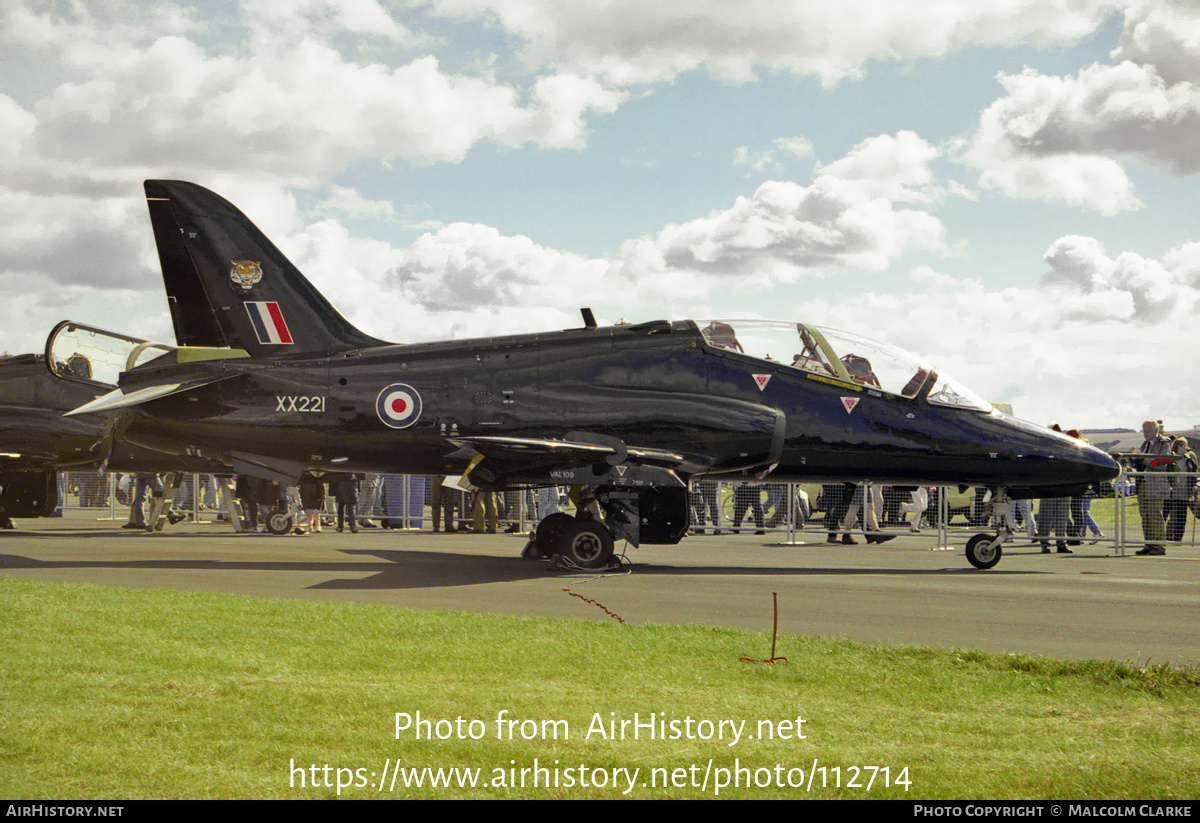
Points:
(1006, 187)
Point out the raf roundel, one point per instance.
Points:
(398, 406)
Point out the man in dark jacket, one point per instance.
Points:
(345, 494)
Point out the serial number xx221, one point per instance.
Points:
(302, 403)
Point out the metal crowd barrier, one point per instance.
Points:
(1110, 515)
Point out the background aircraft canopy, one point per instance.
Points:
(840, 355)
(94, 356)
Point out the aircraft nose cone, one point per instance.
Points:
(1074, 462)
(1097, 465)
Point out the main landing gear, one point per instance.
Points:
(637, 515)
(581, 542)
(983, 550)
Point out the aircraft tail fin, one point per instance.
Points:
(228, 285)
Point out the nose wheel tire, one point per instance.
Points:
(279, 521)
(981, 553)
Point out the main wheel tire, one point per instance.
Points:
(545, 536)
(587, 543)
(279, 521)
(979, 554)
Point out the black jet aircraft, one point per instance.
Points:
(37, 441)
(270, 379)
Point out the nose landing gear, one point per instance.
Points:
(983, 550)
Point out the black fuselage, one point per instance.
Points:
(657, 386)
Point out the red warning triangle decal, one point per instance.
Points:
(850, 403)
(762, 380)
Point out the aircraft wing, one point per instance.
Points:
(119, 399)
(573, 450)
(581, 458)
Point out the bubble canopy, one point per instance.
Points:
(86, 354)
(833, 354)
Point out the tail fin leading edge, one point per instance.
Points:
(228, 285)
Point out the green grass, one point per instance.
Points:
(1104, 512)
(149, 694)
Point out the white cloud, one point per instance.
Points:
(128, 91)
(350, 202)
(1061, 138)
(463, 265)
(783, 231)
(461, 281)
(77, 31)
(16, 127)
(417, 323)
(1079, 262)
(771, 160)
(892, 167)
(121, 103)
(31, 308)
(301, 17)
(557, 119)
(1133, 287)
(1184, 260)
(845, 219)
(1165, 35)
(1012, 156)
(306, 108)
(1095, 343)
(630, 41)
(72, 240)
